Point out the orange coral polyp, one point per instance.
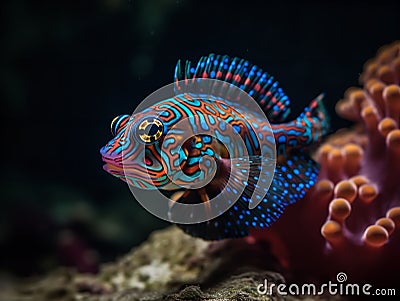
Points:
(375, 236)
(386, 126)
(346, 189)
(339, 209)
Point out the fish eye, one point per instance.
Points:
(118, 123)
(149, 130)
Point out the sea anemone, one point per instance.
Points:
(350, 221)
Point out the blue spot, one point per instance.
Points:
(236, 128)
(211, 119)
(206, 139)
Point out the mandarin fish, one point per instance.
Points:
(156, 167)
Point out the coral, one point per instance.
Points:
(350, 221)
(168, 259)
(240, 287)
(170, 265)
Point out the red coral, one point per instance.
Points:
(350, 221)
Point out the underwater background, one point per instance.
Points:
(69, 67)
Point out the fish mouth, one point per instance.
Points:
(123, 170)
(112, 164)
(130, 171)
(111, 167)
(114, 170)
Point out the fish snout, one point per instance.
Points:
(112, 162)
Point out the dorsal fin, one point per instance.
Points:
(239, 72)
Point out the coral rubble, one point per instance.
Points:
(170, 265)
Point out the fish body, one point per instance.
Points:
(170, 161)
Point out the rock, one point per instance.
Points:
(170, 265)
